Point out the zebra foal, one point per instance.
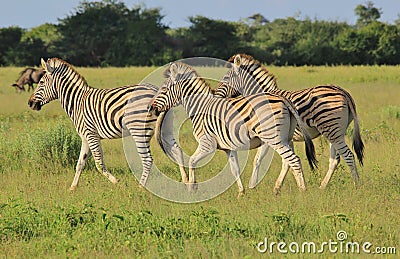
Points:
(325, 109)
(231, 124)
(103, 114)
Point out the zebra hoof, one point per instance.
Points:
(252, 184)
(113, 180)
(241, 194)
(277, 191)
(192, 187)
(302, 189)
(357, 185)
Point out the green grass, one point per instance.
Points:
(39, 217)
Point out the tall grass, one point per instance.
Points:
(57, 144)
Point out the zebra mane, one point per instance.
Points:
(257, 70)
(186, 71)
(64, 67)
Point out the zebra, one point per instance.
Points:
(103, 114)
(232, 124)
(325, 109)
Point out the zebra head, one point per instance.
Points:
(248, 76)
(224, 90)
(233, 82)
(170, 93)
(46, 90)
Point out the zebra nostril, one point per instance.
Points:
(34, 105)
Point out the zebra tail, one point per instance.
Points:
(157, 131)
(310, 149)
(358, 144)
(163, 135)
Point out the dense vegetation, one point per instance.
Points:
(107, 33)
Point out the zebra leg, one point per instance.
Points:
(207, 145)
(261, 152)
(178, 157)
(348, 157)
(291, 159)
(168, 138)
(97, 152)
(334, 159)
(83, 157)
(281, 177)
(282, 174)
(143, 148)
(235, 169)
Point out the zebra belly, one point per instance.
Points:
(312, 131)
(239, 139)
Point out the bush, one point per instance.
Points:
(57, 144)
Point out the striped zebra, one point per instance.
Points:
(325, 109)
(232, 124)
(103, 114)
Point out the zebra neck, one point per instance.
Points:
(194, 99)
(71, 96)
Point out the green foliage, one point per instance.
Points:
(392, 111)
(9, 38)
(48, 34)
(367, 13)
(105, 33)
(56, 144)
(204, 38)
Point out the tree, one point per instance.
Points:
(212, 38)
(48, 34)
(18, 49)
(397, 21)
(88, 34)
(26, 53)
(257, 20)
(143, 40)
(108, 33)
(367, 13)
(9, 38)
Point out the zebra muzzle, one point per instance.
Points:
(152, 108)
(34, 105)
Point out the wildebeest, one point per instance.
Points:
(28, 76)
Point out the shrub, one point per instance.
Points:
(56, 144)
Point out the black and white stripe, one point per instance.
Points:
(102, 114)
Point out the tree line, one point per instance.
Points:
(108, 33)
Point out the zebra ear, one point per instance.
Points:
(173, 71)
(46, 66)
(237, 61)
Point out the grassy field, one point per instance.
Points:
(40, 217)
